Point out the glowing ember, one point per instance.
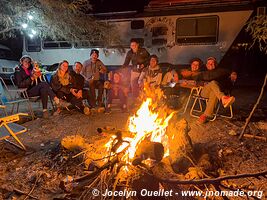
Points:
(146, 124)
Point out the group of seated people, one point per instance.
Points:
(74, 86)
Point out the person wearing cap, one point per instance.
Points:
(25, 78)
(151, 75)
(139, 58)
(219, 81)
(93, 70)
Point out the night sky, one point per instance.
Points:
(118, 5)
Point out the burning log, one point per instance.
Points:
(148, 150)
(180, 145)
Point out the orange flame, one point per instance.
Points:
(146, 123)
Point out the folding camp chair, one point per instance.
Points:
(4, 108)
(6, 98)
(8, 128)
(24, 94)
(197, 107)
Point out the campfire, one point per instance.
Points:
(154, 153)
(149, 140)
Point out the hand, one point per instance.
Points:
(186, 73)
(79, 94)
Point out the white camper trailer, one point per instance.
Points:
(174, 37)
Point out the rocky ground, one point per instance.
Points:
(41, 167)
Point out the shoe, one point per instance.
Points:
(45, 114)
(227, 101)
(86, 111)
(203, 119)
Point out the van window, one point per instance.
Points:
(33, 44)
(48, 43)
(88, 44)
(197, 30)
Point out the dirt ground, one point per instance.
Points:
(19, 170)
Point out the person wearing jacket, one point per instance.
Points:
(152, 75)
(220, 80)
(62, 85)
(78, 83)
(25, 77)
(139, 58)
(93, 72)
(117, 88)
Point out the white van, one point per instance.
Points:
(8, 62)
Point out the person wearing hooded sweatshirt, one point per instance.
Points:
(25, 77)
(152, 75)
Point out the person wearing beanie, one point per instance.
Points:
(93, 70)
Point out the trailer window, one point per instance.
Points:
(197, 30)
(137, 24)
(48, 43)
(33, 44)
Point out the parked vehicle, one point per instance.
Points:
(174, 34)
(8, 62)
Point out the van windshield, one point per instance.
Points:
(7, 54)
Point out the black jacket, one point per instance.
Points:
(22, 80)
(58, 87)
(78, 80)
(138, 58)
(221, 75)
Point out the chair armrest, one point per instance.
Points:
(18, 90)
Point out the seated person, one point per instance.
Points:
(93, 69)
(171, 78)
(219, 79)
(152, 75)
(195, 67)
(78, 83)
(117, 88)
(170, 82)
(26, 77)
(189, 74)
(62, 85)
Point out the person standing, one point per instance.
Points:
(92, 71)
(139, 58)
